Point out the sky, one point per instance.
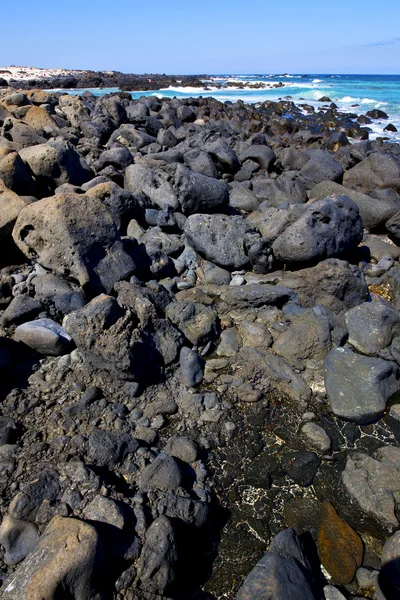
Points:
(207, 36)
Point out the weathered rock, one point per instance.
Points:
(164, 474)
(327, 229)
(51, 231)
(218, 238)
(106, 510)
(374, 213)
(182, 447)
(378, 170)
(340, 547)
(191, 367)
(321, 167)
(372, 326)
(301, 466)
(68, 560)
(27, 501)
(199, 193)
(197, 322)
(20, 309)
(358, 387)
(263, 155)
(10, 206)
(388, 580)
(109, 448)
(156, 566)
(316, 437)
(374, 484)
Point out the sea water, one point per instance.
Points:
(351, 93)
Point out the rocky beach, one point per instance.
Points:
(199, 347)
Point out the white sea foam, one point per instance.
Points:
(317, 80)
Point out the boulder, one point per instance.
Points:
(164, 474)
(10, 206)
(372, 326)
(374, 213)
(39, 119)
(15, 174)
(263, 155)
(358, 387)
(110, 448)
(52, 232)
(197, 322)
(158, 559)
(199, 193)
(18, 539)
(379, 170)
(393, 227)
(327, 229)
(321, 166)
(56, 162)
(218, 238)
(225, 159)
(68, 561)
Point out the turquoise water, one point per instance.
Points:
(368, 91)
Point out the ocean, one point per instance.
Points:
(351, 93)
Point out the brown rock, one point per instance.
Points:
(66, 563)
(10, 206)
(340, 547)
(38, 118)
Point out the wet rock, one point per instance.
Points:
(374, 484)
(68, 559)
(50, 231)
(327, 229)
(340, 547)
(18, 539)
(218, 238)
(301, 466)
(358, 387)
(372, 327)
(45, 336)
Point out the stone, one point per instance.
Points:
(164, 474)
(44, 336)
(198, 193)
(379, 170)
(51, 232)
(393, 227)
(243, 199)
(26, 502)
(10, 206)
(374, 484)
(301, 466)
(56, 162)
(218, 238)
(191, 367)
(16, 176)
(317, 437)
(182, 447)
(374, 213)
(372, 327)
(18, 539)
(327, 229)
(106, 510)
(321, 166)
(388, 580)
(339, 547)
(67, 561)
(252, 296)
(358, 387)
(263, 155)
(230, 342)
(197, 322)
(157, 562)
(20, 309)
(283, 572)
(332, 593)
(65, 296)
(110, 448)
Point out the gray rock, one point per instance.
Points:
(225, 159)
(328, 228)
(106, 510)
(191, 367)
(388, 580)
(215, 275)
(252, 296)
(182, 447)
(379, 170)
(18, 538)
(110, 448)
(374, 484)
(243, 199)
(321, 167)
(156, 566)
(152, 184)
(197, 322)
(218, 238)
(283, 572)
(317, 437)
(230, 342)
(374, 213)
(372, 326)
(393, 227)
(27, 501)
(200, 162)
(332, 593)
(45, 336)
(65, 296)
(22, 308)
(164, 474)
(358, 387)
(263, 155)
(199, 193)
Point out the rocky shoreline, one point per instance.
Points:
(199, 350)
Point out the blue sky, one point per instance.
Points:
(207, 36)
